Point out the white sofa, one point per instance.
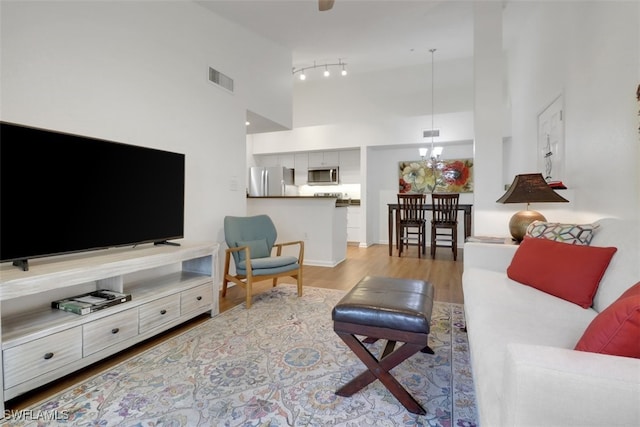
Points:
(525, 370)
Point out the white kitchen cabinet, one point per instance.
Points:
(353, 223)
(324, 158)
(267, 160)
(286, 160)
(350, 167)
(168, 285)
(301, 164)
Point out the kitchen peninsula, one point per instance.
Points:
(317, 221)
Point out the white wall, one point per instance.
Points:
(137, 72)
(589, 51)
(402, 131)
(384, 94)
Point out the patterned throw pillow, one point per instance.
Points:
(574, 234)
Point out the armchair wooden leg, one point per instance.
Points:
(226, 273)
(299, 282)
(249, 295)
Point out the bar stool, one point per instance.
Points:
(444, 224)
(411, 225)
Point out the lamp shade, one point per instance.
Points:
(530, 188)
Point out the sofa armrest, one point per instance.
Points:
(559, 387)
(490, 256)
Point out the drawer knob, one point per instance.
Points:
(199, 298)
(115, 330)
(48, 356)
(163, 311)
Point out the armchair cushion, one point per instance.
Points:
(258, 248)
(269, 265)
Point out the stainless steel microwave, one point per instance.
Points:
(323, 176)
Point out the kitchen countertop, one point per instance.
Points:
(339, 202)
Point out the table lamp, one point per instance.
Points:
(528, 188)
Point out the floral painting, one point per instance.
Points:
(443, 176)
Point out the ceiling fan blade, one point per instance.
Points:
(325, 5)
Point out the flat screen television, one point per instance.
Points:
(62, 193)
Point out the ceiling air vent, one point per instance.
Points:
(430, 133)
(220, 79)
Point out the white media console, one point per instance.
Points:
(168, 285)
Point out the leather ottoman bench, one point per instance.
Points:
(396, 310)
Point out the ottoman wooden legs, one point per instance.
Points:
(379, 368)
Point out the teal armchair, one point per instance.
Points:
(251, 241)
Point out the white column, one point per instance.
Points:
(488, 118)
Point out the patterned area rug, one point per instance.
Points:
(277, 364)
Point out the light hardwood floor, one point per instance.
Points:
(444, 273)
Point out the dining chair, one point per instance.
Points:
(250, 241)
(444, 222)
(411, 225)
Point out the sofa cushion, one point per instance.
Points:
(575, 234)
(258, 248)
(616, 330)
(570, 272)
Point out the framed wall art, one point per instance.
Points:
(551, 141)
(443, 176)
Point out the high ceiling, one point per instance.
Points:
(366, 34)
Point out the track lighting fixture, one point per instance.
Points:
(301, 71)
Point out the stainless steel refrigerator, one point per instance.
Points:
(269, 181)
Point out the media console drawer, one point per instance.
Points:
(105, 332)
(32, 359)
(196, 298)
(158, 312)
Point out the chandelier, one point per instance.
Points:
(433, 161)
(301, 71)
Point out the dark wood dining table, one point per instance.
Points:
(393, 208)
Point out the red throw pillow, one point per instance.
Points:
(617, 329)
(570, 272)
